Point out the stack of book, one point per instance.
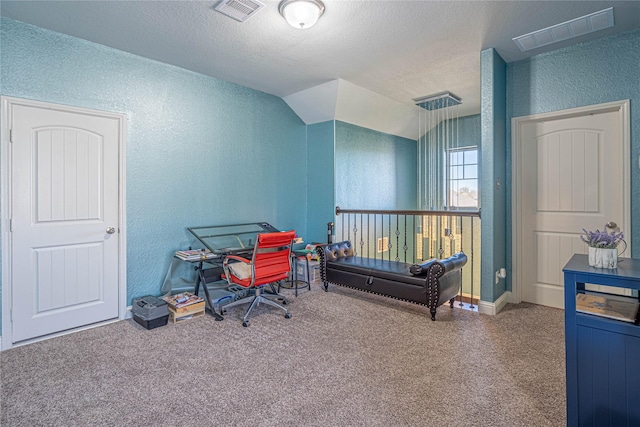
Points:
(184, 306)
(195, 254)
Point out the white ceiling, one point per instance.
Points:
(398, 50)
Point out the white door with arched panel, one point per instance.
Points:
(64, 218)
(572, 174)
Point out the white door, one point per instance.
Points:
(64, 219)
(572, 179)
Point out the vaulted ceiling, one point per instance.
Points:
(391, 51)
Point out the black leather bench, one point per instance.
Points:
(431, 283)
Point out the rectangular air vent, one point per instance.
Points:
(240, 10)
(576, 27)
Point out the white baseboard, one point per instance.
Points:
(493, 308)
(128, 314)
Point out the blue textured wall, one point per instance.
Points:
(200, 151)
(320, 177)
(374, 170)
(493, 169)
(469, 131)
(599, 71)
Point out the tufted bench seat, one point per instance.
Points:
(431, 283)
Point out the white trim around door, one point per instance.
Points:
(622, 108)
(8, 104)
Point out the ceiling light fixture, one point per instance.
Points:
(301, 14)
(437, 140)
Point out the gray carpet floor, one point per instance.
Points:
(345, 358)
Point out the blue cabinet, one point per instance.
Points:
(602, 355)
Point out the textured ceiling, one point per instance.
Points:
(398, 49)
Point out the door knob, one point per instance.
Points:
(111, 230)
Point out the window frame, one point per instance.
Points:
(449, 180)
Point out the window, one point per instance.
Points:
(462, 177)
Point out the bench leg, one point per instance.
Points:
(326, 286)
(451, 302)
(433, 314)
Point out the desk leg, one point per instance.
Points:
(294, 276)
(308, 273)
(200, 279)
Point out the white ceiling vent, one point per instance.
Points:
(576, 27)
(240, 10)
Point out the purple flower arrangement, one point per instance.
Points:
(602, 239)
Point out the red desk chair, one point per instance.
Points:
(270, 262)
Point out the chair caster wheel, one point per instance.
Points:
(245, 324)
(287, 316)
(284, 302)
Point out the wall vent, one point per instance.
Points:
(240, 10)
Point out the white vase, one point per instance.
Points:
(603, 258)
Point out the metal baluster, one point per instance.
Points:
(368, 236)
(417, 234)
(432, 248)
(361, 237)
(405, 247)
(432, 243)
(471, 306)
(397, 239)
(389, 245)
(461, 304)
(375, 235)
(440, 239)
(452, 236)
(430, 233)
